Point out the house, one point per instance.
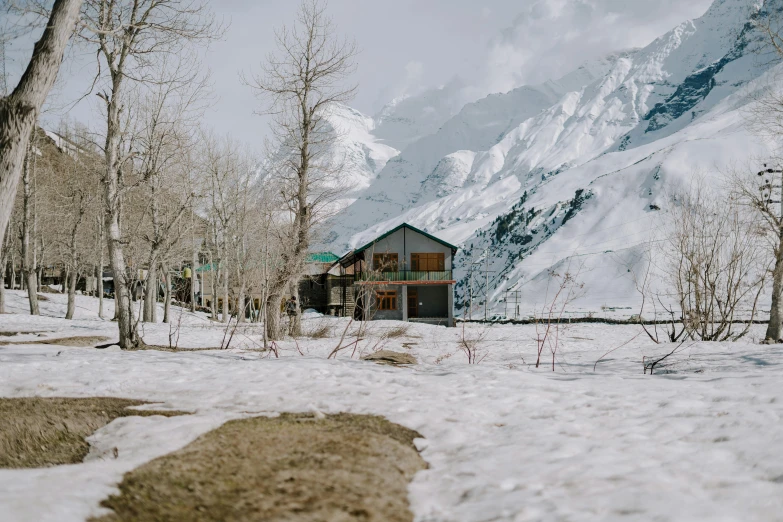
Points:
(404, 274)
(324, 287)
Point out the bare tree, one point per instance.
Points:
(70, 194)
(130, 36)
(19, 111)
(715, 267)
(765, 117)
(163, 147)
(298, 85)
(759, 194)
(549, 323)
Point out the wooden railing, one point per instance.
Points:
(404, 276)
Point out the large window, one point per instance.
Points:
(385, 262)
(428, 262)
(387, 300)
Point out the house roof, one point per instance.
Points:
(355, 252)
(322, 257)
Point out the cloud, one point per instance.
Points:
(549, 38)
(410, 83)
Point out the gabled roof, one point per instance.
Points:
(361, 249)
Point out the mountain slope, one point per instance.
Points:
(541, 174)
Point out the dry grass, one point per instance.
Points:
(319, 331)
(78, 342)
(291, 468)
(38, 432)
(397, 331)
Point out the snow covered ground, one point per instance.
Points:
(505, 441)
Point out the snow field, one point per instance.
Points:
(505, 441)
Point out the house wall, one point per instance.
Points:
(313, 293)
(387, 315)
(405, 242)
(433, 300)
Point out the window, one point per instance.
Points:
(428, 262)
(385, 262)
(387, 300)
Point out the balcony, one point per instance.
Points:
(405, 276)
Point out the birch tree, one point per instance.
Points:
(298, 84)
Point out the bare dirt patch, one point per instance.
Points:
(38, 432)
(75, 342)
(293, 468)
(12, 334)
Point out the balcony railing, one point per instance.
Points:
(404, 276)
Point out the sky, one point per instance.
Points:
(406, 45)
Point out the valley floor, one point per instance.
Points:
(700, 440)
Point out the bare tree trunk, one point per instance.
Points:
(19, 111)
(4, 248)
(3, 268)
(73, 278)
(272, 316)
(776, 312)
(151, 291)
(193, 266)
(241, 306)
(99, 271)
(28, 268)
(296, 327)
(213, 286)
(166, 295)
(127, 329)
(226, 314)
(2, 286)
(13, 274)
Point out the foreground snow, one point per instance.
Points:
(504, 441)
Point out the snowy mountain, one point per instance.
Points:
(407, 119)
(359, 154)
(575, 169)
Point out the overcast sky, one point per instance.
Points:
(494, 45)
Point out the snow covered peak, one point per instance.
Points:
(348, 119)
(731, 10)
(410, 118)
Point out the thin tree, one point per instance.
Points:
(765, 117)
(19, 111)
(298, 85)
(28, 263)
(714, 264)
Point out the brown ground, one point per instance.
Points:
(291, 468)
(38, 432)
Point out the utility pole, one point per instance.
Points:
(486, 282)
(470, 290)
